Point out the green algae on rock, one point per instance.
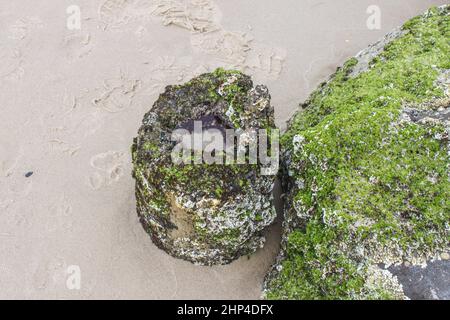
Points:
(211, 213)
(366, 170)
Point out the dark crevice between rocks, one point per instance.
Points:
(429, 283)
(274, 232)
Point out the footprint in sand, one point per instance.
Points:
(109, 169)
(240, 51)
(166, 69)
(22, 220)
(90, 124)
(21, 28)
(4, 204)
(192, 15)
(64, 147)
(76, 46)
(265, 61)
(117, 12)
(60, 216)
(50, 273)
(236, 50)
(17, 192)
(10, 63)
(231, 47)
(197, 16)
(10, 154)
(15, 187)
(117, 94)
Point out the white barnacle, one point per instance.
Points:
(230, 112)
(300, 183)
(230, 80)
(297, 142)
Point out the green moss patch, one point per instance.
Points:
(367, 187)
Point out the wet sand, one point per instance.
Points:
(72, 100)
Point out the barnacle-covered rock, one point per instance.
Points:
(425, 283)
(204, 213)
(366, 174)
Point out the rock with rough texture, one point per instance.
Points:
(366, 175)
(429, 283)
(210, 213)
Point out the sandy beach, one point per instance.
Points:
(71, 102)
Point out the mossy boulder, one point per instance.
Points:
(204, 213)
(366, 171)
